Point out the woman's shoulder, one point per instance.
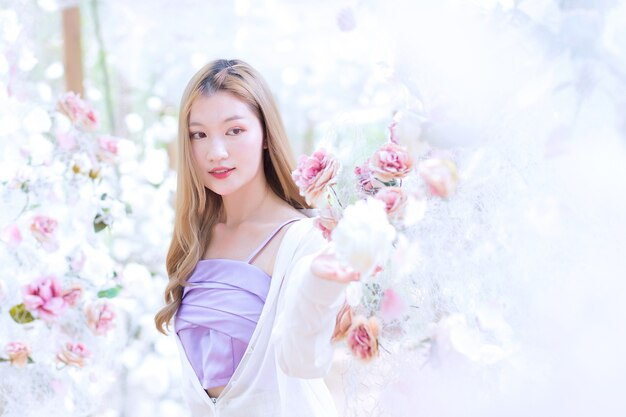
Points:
(304, 236)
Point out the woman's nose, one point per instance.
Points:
(216, 150)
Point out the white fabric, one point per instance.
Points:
(290, 351)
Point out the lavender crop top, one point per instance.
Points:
(219, 312)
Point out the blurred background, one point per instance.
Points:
(526, 260)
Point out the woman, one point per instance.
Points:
(253, 323)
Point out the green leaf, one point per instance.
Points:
(20, 314)
(110, 292)
(30, 360)
(4, 360)
(99, 224)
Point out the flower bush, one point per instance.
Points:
(368, 236)
(59, 282)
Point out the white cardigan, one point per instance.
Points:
(290, 352)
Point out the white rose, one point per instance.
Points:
(364, 237)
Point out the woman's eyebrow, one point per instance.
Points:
(228, 119)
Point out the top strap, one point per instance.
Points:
(270, 237)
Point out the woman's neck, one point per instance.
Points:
(249, 203)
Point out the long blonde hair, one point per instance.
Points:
(197, 207)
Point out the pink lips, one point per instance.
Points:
(221, 172)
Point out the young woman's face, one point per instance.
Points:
(226, 143)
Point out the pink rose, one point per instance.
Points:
(43, 228)
(73, 295)
(364, 178)
(343, 323)
(440, 176)
(395, 200)
(390, 162)
(79, 111)
(74, 354)
(363, 338)
(100, 316)
(107, 147)
(314, 173)
(327, 220)
(44, 298)
(12, 235)
(391, 306)
(18, 353)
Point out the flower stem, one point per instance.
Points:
(336, 197)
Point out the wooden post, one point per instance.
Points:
(72, 56)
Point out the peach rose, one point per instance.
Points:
(395, 200)
(74, 354)
(327, 220)
(44, 298)
(363, 338)
(440, 176)
(390, 162)
(18, 353)
(43, 228)
(73, 295)
(342, 323)
(314, 173)
(78, 111)
(100, 316)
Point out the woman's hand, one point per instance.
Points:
(326, 266)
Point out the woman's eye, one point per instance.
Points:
(234, 131)
(196, 135)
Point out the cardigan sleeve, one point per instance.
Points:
(307, 310)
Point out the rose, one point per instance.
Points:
(107, 147)
(74, 354)
(100, 316)
(395, 200)
(314, 173)
(72, 295)
(440, 176)
(78, 111)
(363, 338)
(327, 221)
(42, 228)
(390, 162)
(363, 236)
(18, 353)
(343, 322)
(364, 178)
(44, 298)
